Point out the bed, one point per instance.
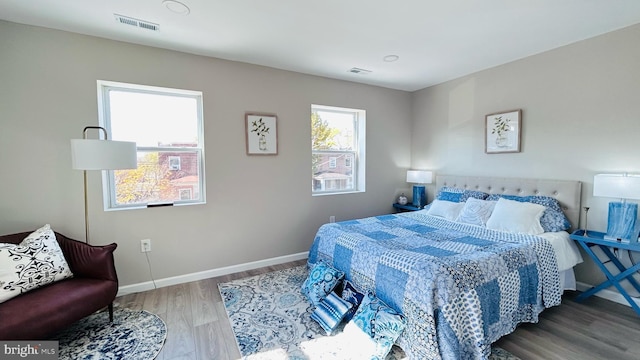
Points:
(460, 286)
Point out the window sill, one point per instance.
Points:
(338, 193)
(152, 206)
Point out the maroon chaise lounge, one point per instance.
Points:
(40, 313)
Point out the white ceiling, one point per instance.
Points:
(436, 40)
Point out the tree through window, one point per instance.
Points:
(337, 140)
(167, 126)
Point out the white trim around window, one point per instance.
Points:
(338, 163)
(166, 124)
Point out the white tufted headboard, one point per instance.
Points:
(567, 192)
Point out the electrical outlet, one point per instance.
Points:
(332, 219)
(145, 245)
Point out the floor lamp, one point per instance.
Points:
(97, 154)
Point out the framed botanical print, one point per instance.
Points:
(261, 134)
(503, 132)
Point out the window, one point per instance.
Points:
(174, 163)
(167, 126)
(338, 150)
(185, 194)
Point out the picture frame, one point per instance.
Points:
(503, 132)
(261, 134)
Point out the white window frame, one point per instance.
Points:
(104, 119)
(358, 162)
(333, 162)
(174, 163)
(188, 191)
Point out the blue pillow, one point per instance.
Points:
(330, 312)
(383, 324)
(321, 281)
(473, 194)
(553, 218)
(351, 294)
(450, 194)
(459, 195)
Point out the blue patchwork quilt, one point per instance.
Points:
(461, 287)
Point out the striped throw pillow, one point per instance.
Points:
(330, 311)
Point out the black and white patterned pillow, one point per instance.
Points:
(35, 262)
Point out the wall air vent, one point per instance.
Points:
(136, 22)
(359, 71)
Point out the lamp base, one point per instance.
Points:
(419, 196)
(621, 224)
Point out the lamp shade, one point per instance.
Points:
(619, 186)
(91, 154)
(419, 176)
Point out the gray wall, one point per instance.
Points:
(258, 207)
(580, 118)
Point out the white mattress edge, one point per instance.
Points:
(566, 250)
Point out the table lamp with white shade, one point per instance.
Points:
(96, 154)
(419, 193)
(622, 222)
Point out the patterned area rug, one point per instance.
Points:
(134, 335)
(271, 319)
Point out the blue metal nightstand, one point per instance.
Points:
(403, 208)
(595, 238)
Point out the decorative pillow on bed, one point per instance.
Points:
(321, 282)
(351, 294)
(553, 218)
(330, 312)
(517, 217)
(446, 209)
(450, 194)
(382, 324)
(35, 262)
(476, 212)
(459, 195)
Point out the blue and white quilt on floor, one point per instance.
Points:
(461, 287)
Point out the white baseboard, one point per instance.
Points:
(612, 295)
(174, 280)
(148, 285)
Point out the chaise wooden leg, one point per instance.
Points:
(111, 313)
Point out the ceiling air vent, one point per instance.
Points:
(137, 23)
(356, 70)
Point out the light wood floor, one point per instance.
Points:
(199, 329)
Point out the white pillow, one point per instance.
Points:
(446, 209)
(476, 212)
(516, 217)
(35, 262)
